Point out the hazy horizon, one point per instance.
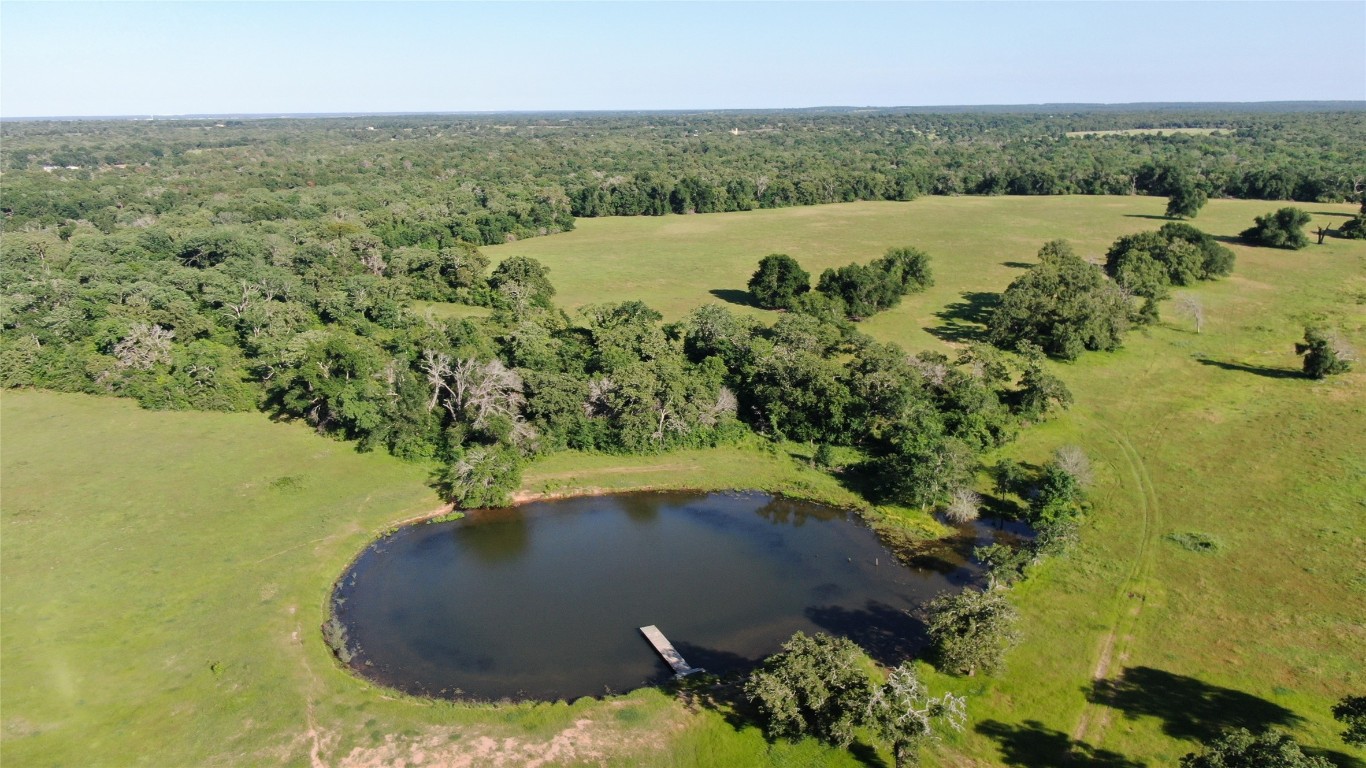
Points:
(1120, 107)
(129, 59)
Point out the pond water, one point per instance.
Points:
(545, 601)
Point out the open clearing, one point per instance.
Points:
(163, 575)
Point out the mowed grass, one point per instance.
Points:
(163, 576)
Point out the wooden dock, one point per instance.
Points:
(667, 650)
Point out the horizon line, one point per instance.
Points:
(1349, 104)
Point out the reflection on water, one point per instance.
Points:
(545, 601)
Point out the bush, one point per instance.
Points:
(1325, 353)
(778, 282)
(1354, 228)
(867, 290)
(1282, 229)
(1202, 543)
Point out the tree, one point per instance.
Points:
(1190, 305)
(964, 505)
(1325, 353)
(1062, 304)
(334, 380)
(816, 686)
(921, 468)
(1008, 476)
(1004, 564)
(1148, 263)
(1040, 392)
(972, 630)
(486, 396)
(522, 278)
(902, 711)
(865, 290)
(1072, 460)
(483, 476)
(1214, 260)
(1239, 748)
(1351, 712)
(778, 281)
(1282, 229)
(144, 347)
(1058, 495)
(1186, 198)
(908, 267)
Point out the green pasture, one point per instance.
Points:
(163, 575)
(440, 310)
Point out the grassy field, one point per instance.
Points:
(441, 310)
(163, 576)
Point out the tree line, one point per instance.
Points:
(433, 180)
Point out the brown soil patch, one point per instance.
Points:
(586, 741)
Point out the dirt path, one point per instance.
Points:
(1095, 718)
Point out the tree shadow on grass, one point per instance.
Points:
(1032, 745)
(887, 634)
(1150, 216)
(867, 754)
(1001, 510)
(732, 296)
(1332, 213)
(862, 479)
(1188, 708)
(1260, 370)
(1340, 759)
(966, 320)
(1018, 264)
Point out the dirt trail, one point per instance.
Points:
(1095, 718)
(584, 741)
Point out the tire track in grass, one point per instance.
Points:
(1095, 718)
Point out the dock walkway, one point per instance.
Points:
(667, 650)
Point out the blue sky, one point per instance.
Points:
(178, 58)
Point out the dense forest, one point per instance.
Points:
(240, 264)
(435, 180)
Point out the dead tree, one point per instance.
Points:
(1191, 305)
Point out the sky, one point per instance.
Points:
(109, 58)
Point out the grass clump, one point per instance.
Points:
(1195, 542)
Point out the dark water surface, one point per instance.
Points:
(545, 601)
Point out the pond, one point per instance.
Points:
(545, 601)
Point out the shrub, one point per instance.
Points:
(1195, 542)
(778, 282)
(1325, 353)
(1282, 229)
